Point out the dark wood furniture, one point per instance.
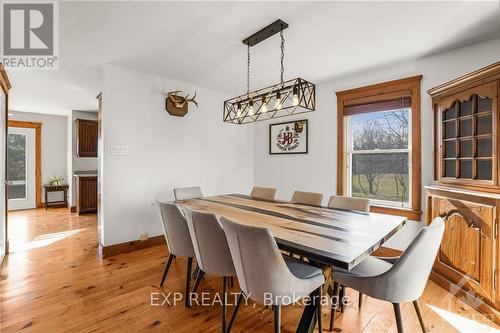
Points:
(86, 194)
(467, 189)
(86, 138)
(56, 188)
(323, 235)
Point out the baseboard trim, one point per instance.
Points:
(113, 250)
(480, 305)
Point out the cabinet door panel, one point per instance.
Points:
(86, 133)
(466, 255)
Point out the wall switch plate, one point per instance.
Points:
(144, 237)
(119, 150)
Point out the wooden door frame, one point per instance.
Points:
(5, 85)
(38, 155)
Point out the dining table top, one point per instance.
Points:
(329, 236)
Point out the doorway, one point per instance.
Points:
(23, 165)
(21, 168)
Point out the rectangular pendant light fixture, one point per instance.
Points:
(282, 99)
(293, 97)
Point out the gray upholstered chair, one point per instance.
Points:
(349, 203)
(212, 251)
(178, 240)
(403, 281)
(186, 193)
(265, 275)
(266, 193)
(307, 198)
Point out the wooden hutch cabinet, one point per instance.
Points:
(467, 187)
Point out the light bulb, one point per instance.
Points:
(238, 110)
(251, 111)
(295, 95)
(264, 105)
(278, 100)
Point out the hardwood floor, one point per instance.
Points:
(53, 281)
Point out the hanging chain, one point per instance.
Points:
(248, 70)
(282, 56)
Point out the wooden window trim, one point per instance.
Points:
(38, 155)
(378, 92)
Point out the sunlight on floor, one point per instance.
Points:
(47, 239)
(461, 323)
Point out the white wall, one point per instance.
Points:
(317, 170)
(54, 143)
(164, 152)
(79, 163)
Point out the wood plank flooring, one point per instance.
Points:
(54, 281)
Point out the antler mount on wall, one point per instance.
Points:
(177, 105)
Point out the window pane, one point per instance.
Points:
(380, 130)
(16, 166)
(381, 176)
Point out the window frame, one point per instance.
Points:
(350, 152)
(409, 86)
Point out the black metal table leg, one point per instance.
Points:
(308, 319)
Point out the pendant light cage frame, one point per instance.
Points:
(291, 97)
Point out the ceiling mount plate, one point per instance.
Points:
(265, 33)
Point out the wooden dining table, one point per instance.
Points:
(325, 236)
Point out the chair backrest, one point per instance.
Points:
(210, 244)
(260, 267)
(406, 279)
(307, 198)
(186, 193)
(349, 203)
(176, 230)
(266, 193)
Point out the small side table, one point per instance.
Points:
(58, 188)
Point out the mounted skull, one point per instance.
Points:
(177, 105)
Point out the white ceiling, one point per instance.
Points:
(200, 43)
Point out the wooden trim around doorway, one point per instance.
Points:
(38, 154)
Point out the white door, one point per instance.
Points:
(21, 168)
(3, 131)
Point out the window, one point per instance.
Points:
(378, 154)
(379, 146)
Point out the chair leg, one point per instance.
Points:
(277, 318)
(199, 275)
(341, 297)
(318, 305)
(334, 296)
(419, 314)
(171, 257)
(224, 286)
(188, 282)
(360, 300)
(397, 313)
(235, 311)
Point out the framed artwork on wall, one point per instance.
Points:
(289, 138)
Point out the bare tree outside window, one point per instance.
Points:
(380, 156)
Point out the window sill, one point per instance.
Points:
(415, 215)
